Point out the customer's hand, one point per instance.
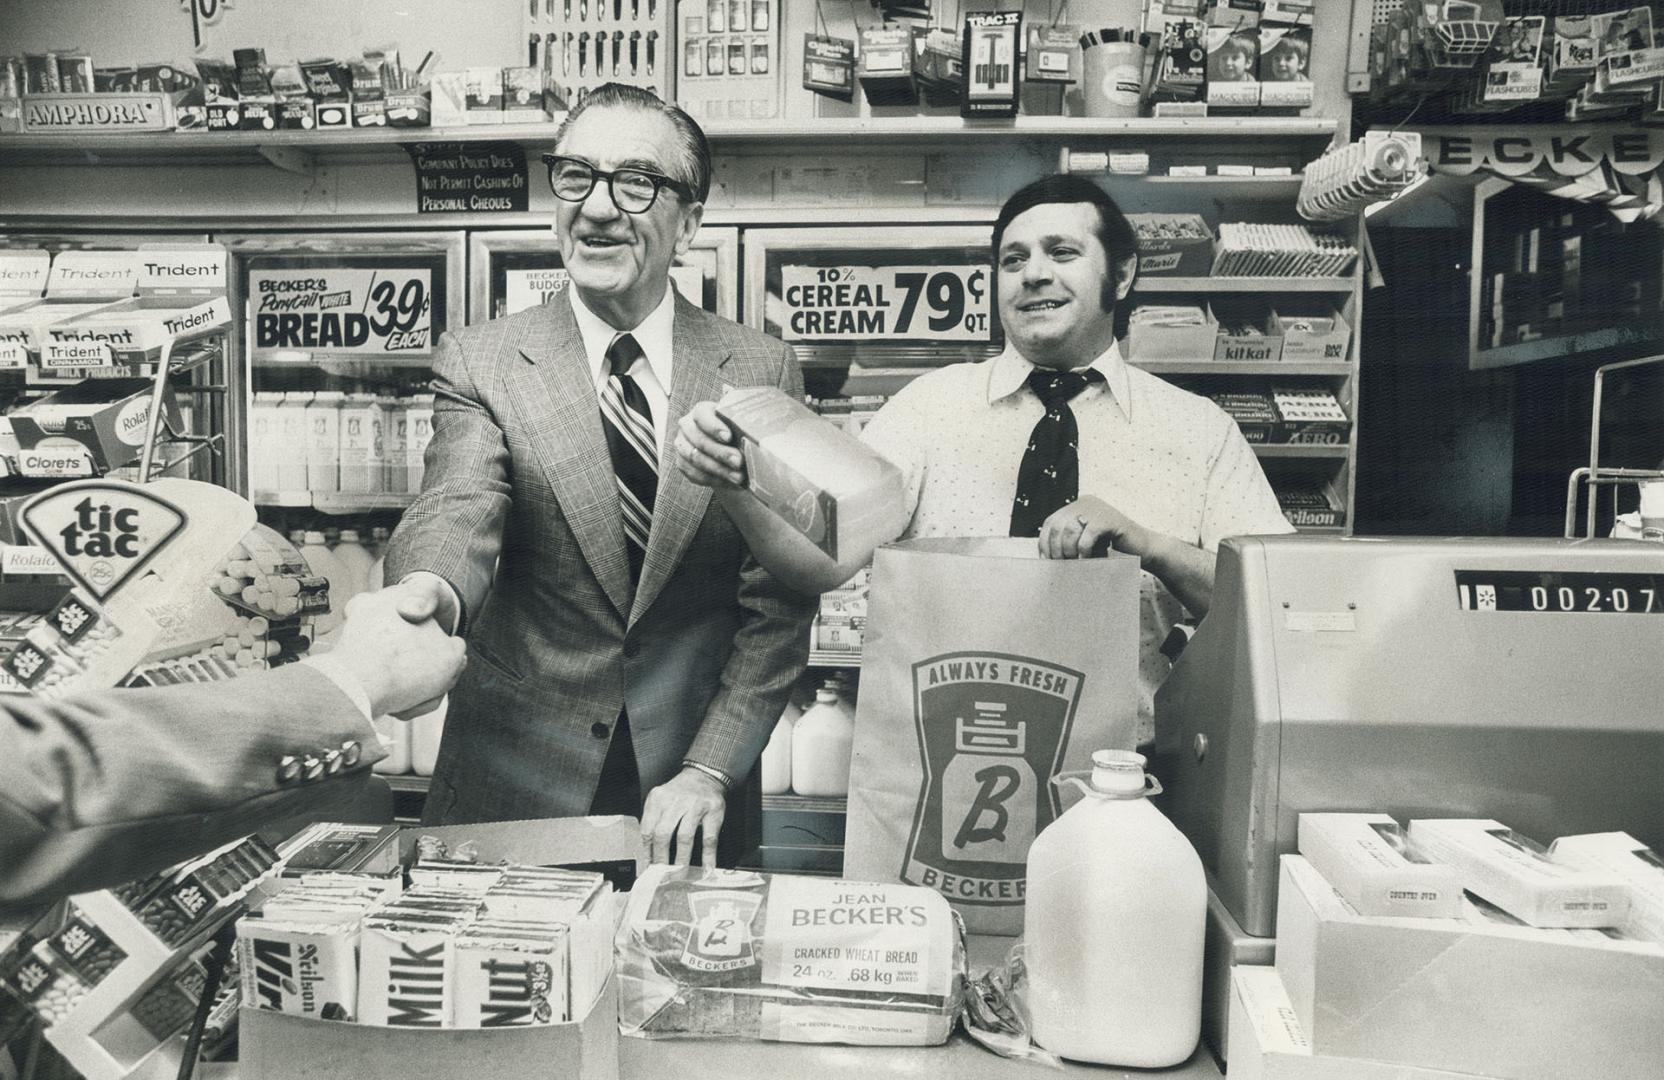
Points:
(705, 451)
(422, 595)
(688, 802)
(405, 668)
(1088, 528)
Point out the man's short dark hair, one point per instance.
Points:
(1114, 232)
(693, 150)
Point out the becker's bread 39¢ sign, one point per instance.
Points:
(867, 303)
(339, 310)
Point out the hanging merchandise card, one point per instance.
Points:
(829, 66)
(990, 60)
(853, 303)
(343, 310)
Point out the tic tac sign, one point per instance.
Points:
(1511, 151)
(102, 532)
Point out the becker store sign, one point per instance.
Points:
(1566, 151)
(335, 310)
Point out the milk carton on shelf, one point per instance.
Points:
(361, 445)
(323, 448)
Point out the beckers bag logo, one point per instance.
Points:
(992, 728)
(720, 937)
(103, 533)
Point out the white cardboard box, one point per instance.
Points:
(1513, 1002)
(1267, 1042)
(1365, 858)
(1639, 867)
(1515, 873)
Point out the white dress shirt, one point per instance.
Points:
(1171, 460)
(652, 372)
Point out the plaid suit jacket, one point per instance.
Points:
(518, 476)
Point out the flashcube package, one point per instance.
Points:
(726, 953)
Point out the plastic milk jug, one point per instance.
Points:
(356, 560)
(323, 563)
(777, 755)
(1113, 925)
(821, 742)
(426, 731)
(395, 739)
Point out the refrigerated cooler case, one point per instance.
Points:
(511, 270)
(869, 300)
(351, 319)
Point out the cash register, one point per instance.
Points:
(1515, 679)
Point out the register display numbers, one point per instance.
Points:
(1560, 592)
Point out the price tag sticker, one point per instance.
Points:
(875, 303)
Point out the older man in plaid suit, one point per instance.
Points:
(630, 654)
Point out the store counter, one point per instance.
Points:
(960, 1058)
(732, 1059)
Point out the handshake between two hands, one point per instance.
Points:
(397, 645)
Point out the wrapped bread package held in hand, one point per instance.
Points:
(727, 953)
(828, 485)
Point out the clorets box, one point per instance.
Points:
(846, 498)
(737, 954)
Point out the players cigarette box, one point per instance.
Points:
(1366, 857)
(1515, 873)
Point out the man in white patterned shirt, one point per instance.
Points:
(1057, 437)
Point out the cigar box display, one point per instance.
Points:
(738, 954)
(500, 952)
(1639, 867)
(1170, 332)
(1310, 333)
(1172, 245)
(842, 496)
(1483, 996)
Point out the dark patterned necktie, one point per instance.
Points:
(634, 448)
(1049, 477)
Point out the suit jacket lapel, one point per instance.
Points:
(562, 419)
(680, 503)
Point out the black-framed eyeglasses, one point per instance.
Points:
(632, 190)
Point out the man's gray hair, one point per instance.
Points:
(693, 150)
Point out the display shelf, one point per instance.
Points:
(335, 503)
(1243, 284)
(409, 782)
(1321, 530)
(1548, 348)
(282, 147)
(1232, 367)
(823, 804)
(820, 658)
(343, 362)
(1300, 450)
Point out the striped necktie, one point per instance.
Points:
(1048, 479)
(634, 448)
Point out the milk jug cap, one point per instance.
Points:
(827, 696)
(313, 537)
(1116, 774)
(349, 536)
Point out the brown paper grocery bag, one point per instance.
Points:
(985, 671)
